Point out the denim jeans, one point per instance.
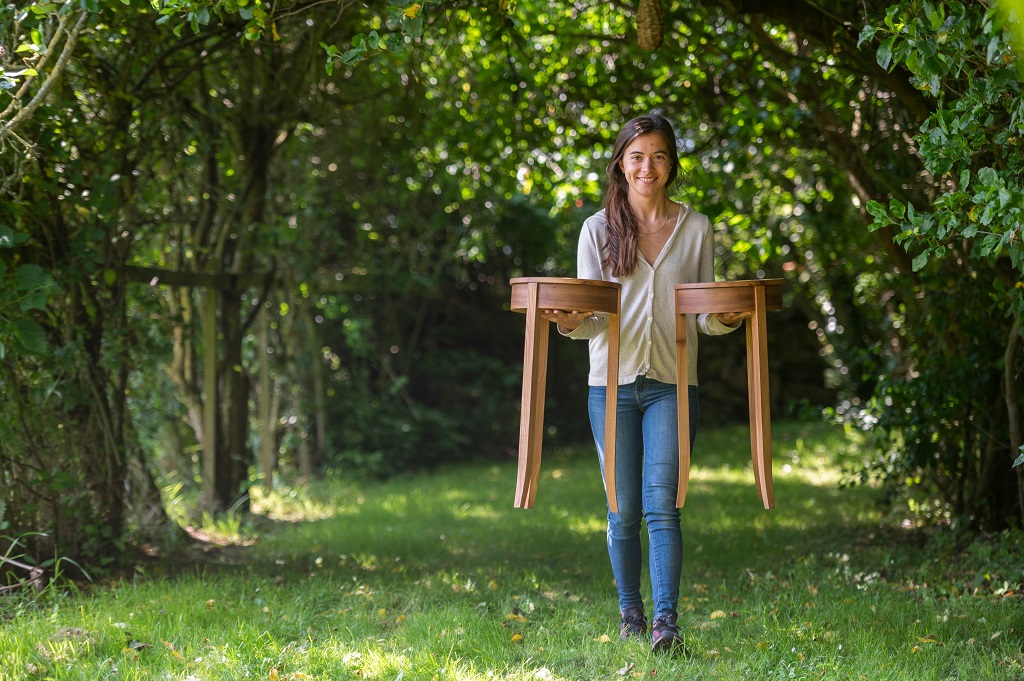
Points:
(646, 480)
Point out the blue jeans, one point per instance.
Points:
(646, 480)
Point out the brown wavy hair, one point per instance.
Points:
(622, 223)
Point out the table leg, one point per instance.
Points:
(753, 406)
(611, 407)
(683, 409)
(757, 387)
(531, 423)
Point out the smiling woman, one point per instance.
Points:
(647, 243)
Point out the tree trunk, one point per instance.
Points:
(209, 435)
(267, 397)
(234, 456)
(1013, 406)
(319, 395)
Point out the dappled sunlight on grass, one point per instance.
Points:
(478, 512)
(295, 503)
(466, 514)
(438, 578)
(589, 526)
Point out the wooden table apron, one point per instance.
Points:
(756, 296)
(530, 295)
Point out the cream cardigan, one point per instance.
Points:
(647, 334)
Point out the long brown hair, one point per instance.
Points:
(622, 223)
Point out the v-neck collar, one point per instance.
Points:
(684, 210)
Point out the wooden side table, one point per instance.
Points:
(757, 296)
(530, 295)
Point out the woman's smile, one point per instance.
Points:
(647, 164)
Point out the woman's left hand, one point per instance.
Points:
(567, 320)
(733, 318)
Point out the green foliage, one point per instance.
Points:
(437, 414)
(24, 290)
(935, 414)
(199, 14)
(971, 142)
(447, 148)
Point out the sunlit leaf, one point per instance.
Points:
(884, 53)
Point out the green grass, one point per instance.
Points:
(438, 578)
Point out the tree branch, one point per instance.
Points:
(35, 574)
(51, 79)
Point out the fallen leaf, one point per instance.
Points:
(627, 669)
(515, 616)
(996, 635)
(717, 614)
(175, 653)
(605, 638)
(516, 638)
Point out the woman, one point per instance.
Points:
(647, 242)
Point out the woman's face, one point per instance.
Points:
(647, 165)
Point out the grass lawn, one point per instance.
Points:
(438, 578)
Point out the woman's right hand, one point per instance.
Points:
(567, 320)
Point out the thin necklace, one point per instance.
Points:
(663, 225)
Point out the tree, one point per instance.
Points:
(352, 187)
(878, 112)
